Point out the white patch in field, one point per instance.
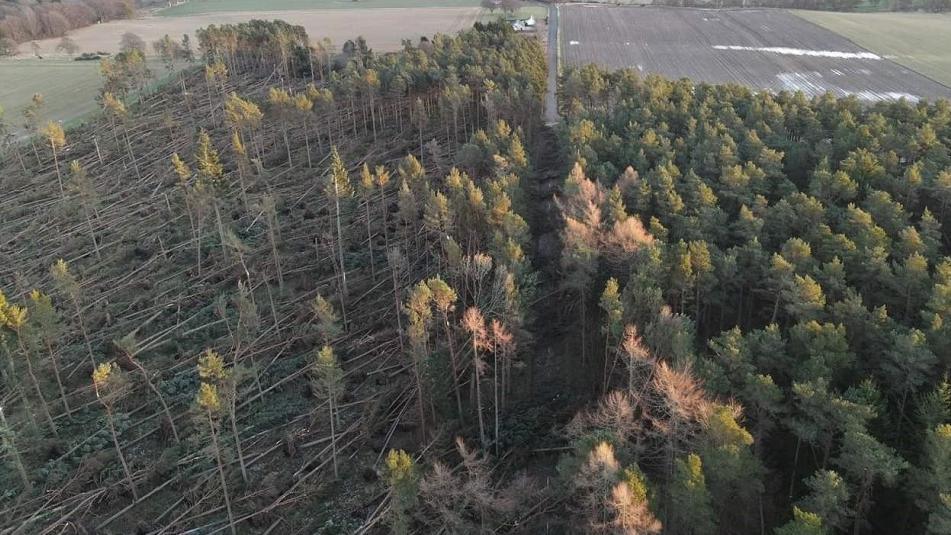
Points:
(573, 43)
(808, 82)
(640, 67)
(801, 52)
(866, 72)
(874, 96)
(812, 85)
(837, 73)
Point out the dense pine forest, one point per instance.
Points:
(798, 270)
(305, 289)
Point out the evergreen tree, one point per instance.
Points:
(932, 479)
(803, 523)
(56, 137)
(866, 461)
(828, 498)
(690, 511)
(208, 402)
(402, 478)
(338, 189)
(110, 384)
(328, 384)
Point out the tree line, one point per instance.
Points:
(26, 21)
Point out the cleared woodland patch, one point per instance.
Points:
(762, 49)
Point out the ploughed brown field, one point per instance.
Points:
(759, 48)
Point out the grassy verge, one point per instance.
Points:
(194, 7)
(919, 41)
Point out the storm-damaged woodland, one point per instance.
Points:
(334, 291)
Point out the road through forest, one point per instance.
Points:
(551, 97)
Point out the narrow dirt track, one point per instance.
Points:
(759, 48)
(551, 96)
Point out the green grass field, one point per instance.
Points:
(194, 7)
(69, 87)
(919, 41)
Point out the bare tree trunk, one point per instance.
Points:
(792, 477)
(287, 145)
(320, 142)
(115, 442)
(860, 507)
(419, 395)
(82, 327)
(135, 164)
(221, 473)
(310, 61)
(59, 381)
(343, 267)
(396, 303)
(36, 385)
(386, 237)
(370, 240)
(333, 434)
(277, 259)
(36, 153)
(10, 446)
(221, 229)
(455, 368)
(232, 403)
(244, 188)
(307, 146)
(495, 388)
(16, 150)
(59, 177)
(211, 105)
(198, 233)
(92, 232)
(95, 141)
(237, 440)
(584, 329)
(478, 389)
(158, 394)
(373, 117)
